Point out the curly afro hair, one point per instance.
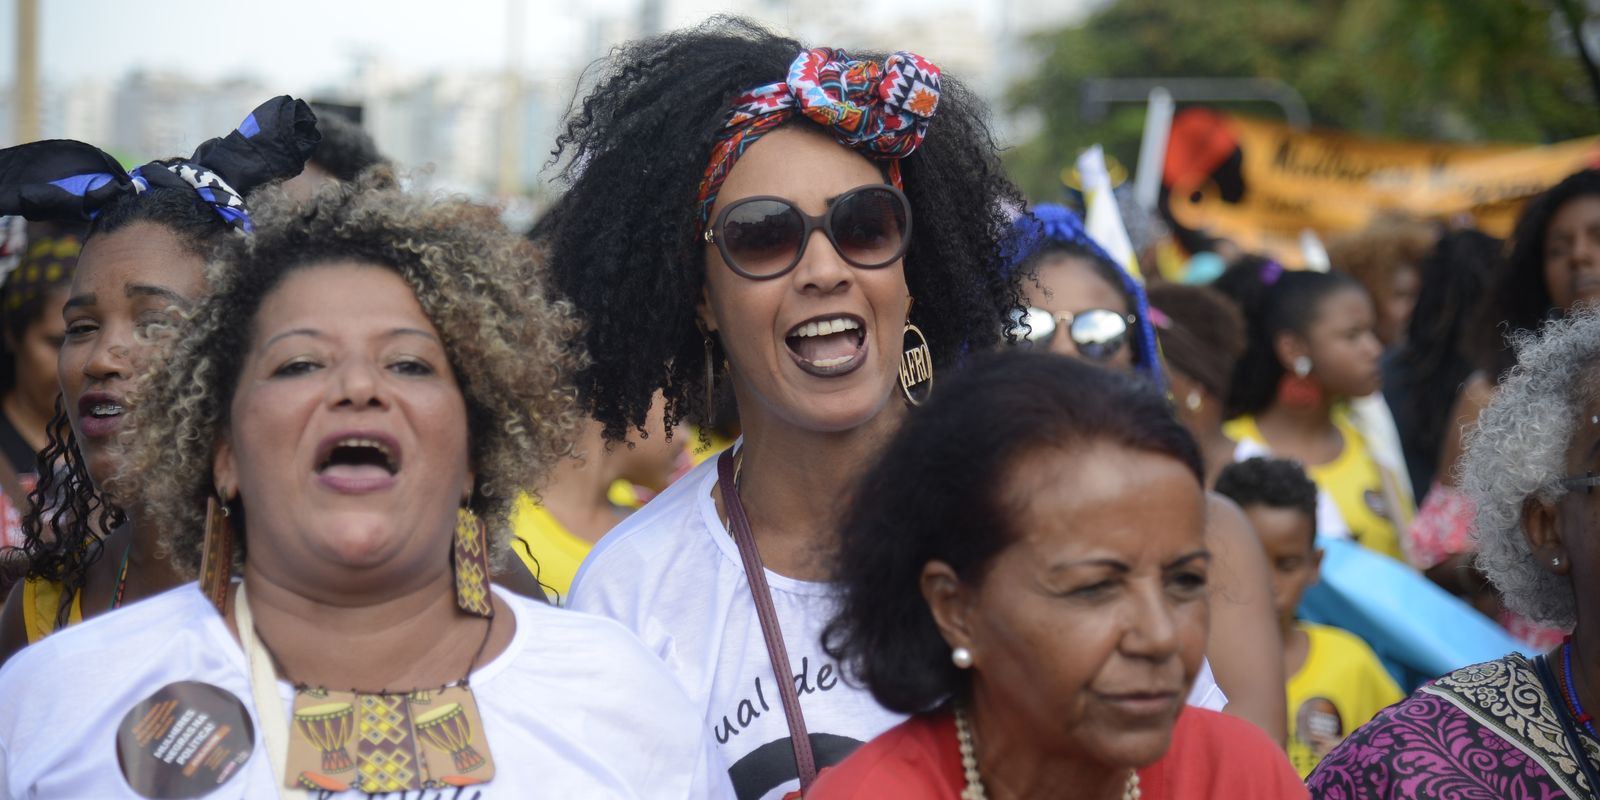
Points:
(1518, 453)
(624, 242)
(483, 287)
(1270, 482)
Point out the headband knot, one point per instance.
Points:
(62, 179)
(878, 110)
(881, 109)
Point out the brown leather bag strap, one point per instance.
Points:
(805, 762)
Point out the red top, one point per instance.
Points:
(1212, 756)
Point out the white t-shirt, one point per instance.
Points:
(671, 573)
(574, 707)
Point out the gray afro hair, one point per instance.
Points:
(1519, 452)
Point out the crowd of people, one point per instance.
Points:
(317, 485)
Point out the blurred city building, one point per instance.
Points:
(449, 129)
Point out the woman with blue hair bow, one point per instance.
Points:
(151, 232)
(1065, 268)
(1081, 303)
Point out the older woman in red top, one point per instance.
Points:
(1032, 589)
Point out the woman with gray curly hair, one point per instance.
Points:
(345, 421)
(1513, 727)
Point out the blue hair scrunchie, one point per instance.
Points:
(1051, 222)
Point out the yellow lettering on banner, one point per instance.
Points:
(1334, 183)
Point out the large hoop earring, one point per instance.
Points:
(470, 559)
(916, 366)
(216, 553)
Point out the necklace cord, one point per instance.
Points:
(1570, 689)
(465, 680)
(974, 788)
(264, 670)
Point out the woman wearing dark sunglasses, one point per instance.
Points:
(1079, 302)
(745, 215)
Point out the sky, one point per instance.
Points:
(295, 43)
(300, 45)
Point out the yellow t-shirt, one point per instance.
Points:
(550, 551)
(41, 600)
(1341, 686)
(1355, 482)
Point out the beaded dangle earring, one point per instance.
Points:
(1297, 388)
(471, 563)
(216, 554)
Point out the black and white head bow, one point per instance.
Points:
(62, 179)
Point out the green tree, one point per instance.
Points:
(1472, 70)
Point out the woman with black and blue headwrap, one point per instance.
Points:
(1081, 303)
(151, 231)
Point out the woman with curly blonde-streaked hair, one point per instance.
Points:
(1515, 726)
(352, 412)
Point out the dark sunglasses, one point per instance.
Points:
(764, 237)
(1098, 333)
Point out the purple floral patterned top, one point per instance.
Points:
(1484, 732)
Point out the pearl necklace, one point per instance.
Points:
(969, 764)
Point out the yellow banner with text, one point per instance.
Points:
(1261, 183)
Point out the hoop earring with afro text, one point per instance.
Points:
(916, 363)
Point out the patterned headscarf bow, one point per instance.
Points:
(879, 110)
(63, 179)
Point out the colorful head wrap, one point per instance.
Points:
(1049, 222)
(62, 179)
(878, 110)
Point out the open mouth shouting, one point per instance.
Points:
(100, 414)
(358, 462)
(828, 346)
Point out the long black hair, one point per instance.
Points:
(624, 243)
(1428, 370)
(1273, 300)
(1518, 299)
(939, 491)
